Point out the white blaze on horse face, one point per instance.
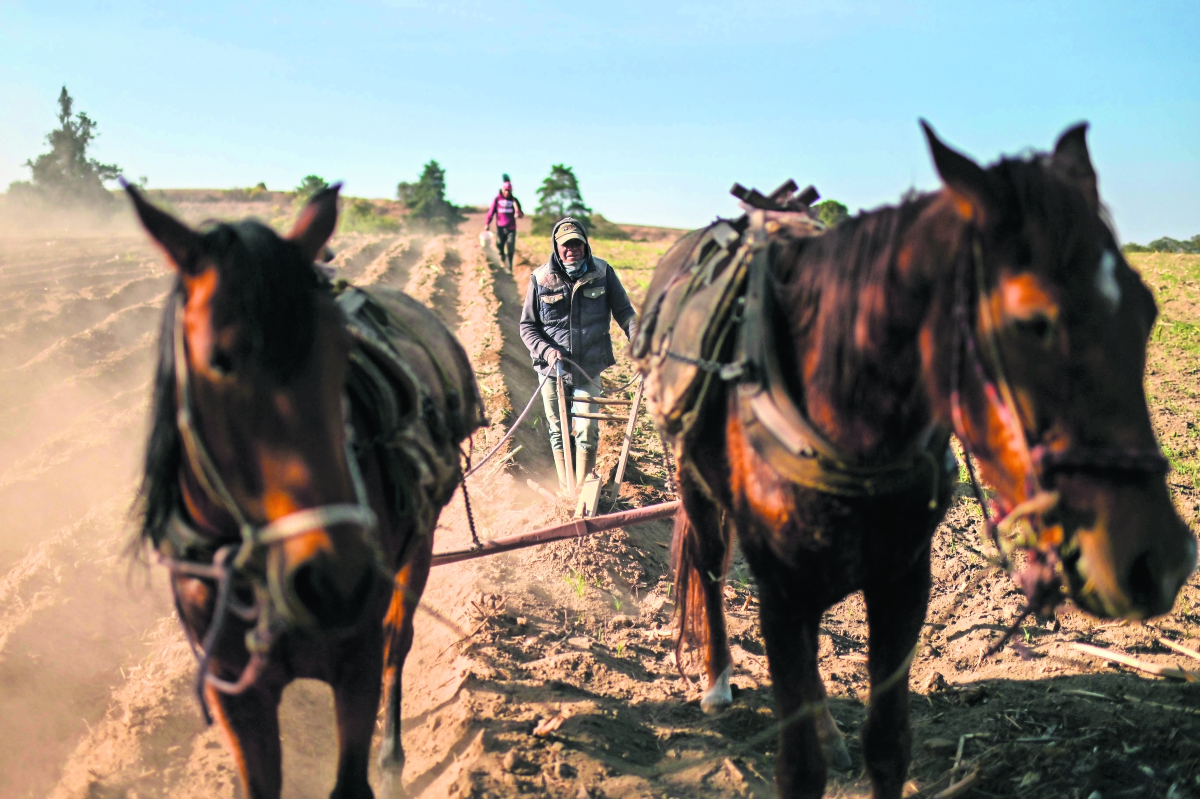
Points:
(1106, 279)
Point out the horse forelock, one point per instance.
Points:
(269, 291)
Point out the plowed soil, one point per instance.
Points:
(548, 671)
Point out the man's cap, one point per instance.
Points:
(506, 185)
(569, 231)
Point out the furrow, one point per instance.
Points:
(382, 270)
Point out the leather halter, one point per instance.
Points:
(1039, 581)
(234, 558)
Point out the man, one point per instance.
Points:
(507, 210)
(567, 310)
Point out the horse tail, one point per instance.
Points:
(700, 561)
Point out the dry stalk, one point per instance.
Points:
(1170, 672)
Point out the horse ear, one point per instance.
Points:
(1072, 160)
(965, 179)
(180, 243)
(316, 222)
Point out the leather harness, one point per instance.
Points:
(776, 426)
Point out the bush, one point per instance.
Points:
(361, 216)
(831, 212)
(603, 229)
(65, 176)
(427, 203)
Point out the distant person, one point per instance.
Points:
(566, 313)
(507, 210)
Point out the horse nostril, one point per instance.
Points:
(314, 588)
(310, 588)
(1144, 589)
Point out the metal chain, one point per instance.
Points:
(672, 483)
(708, 366)
(462, 479)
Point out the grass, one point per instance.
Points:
(633, 260)
(1173, 358)
(577, 581)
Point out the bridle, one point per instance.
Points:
(247, 556)
(1023, 526)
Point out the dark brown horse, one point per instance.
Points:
(304, 440)
(998, 309)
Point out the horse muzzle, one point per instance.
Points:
(323, 579)
(1128, 552)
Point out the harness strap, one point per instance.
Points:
(229, 558)
(782, 433)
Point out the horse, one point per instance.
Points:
(998, 309)
(305, 436)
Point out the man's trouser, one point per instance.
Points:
(506, 244)
(586, 431)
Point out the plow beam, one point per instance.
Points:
(573, 529)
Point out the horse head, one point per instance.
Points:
(252, 368)
(1047, 386)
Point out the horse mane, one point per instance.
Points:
(844, 295)
(270, 291)
(856, 297)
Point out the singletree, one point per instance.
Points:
(426, 201)
(65, 175)
(558, 197)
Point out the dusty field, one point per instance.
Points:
(94, 674)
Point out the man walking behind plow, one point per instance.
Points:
(566, 313)
(506, 208)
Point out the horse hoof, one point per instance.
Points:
(391, 759)
(391, 786)
(836, 754)
(719, 696)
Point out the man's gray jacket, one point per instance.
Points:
(572, 316)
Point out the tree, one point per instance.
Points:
(558, 197)
(1167, 244)
(831, 212)
(65, 175)
(426, 201)
(308, 187)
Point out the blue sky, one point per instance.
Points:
(659, 107)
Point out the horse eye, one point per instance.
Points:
(221, 362)
(1039, 327)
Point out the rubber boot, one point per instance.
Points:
(560, 467)
(585, 461)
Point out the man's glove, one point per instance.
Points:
(551, 356)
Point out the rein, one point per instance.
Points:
(233, 560)
(1039, 580)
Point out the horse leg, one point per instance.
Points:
(356, 700)
(833, 743)
(790, 633)
(250, 722)
(895, 612)
(702, 547)
(397, 641)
